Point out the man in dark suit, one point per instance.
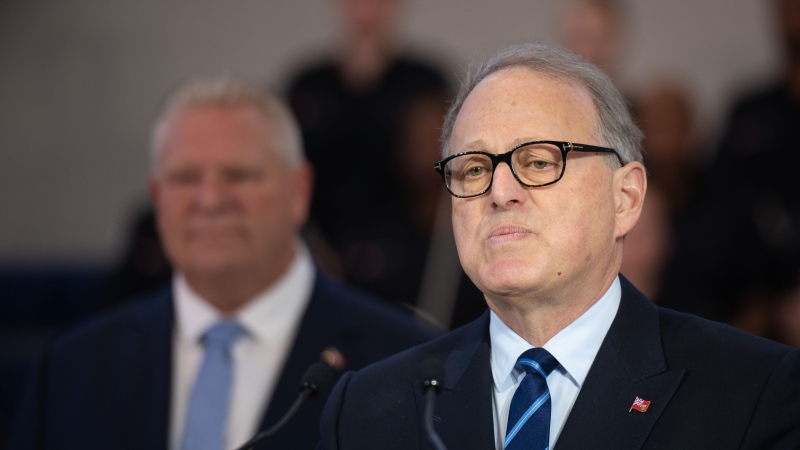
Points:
(219, 356)
(544, 164)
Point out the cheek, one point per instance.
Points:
(587, 219)
(269, 210)
(466, 221)
(171, 211)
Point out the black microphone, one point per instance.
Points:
(315, 381)
(432, 373)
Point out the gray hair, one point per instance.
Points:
(229, 92)
(615, 127)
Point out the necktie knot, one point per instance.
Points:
(223, 334)
(537, 360)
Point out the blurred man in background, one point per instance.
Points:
(219, 356)
(358, 108)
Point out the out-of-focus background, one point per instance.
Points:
(81, 82)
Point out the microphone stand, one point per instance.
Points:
(266, 434)
(429, 430)
(432, 374)
(315, 381)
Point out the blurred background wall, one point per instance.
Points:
(80, 83)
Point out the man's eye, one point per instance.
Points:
(539, 164)
(240, 176)
(183, 178)
(476, 171)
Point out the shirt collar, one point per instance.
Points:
(575, 347)
(270, 313)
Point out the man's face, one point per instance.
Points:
(548, 242)
(225, 199)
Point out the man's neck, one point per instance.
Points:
(230, 290)
(538, 319)
(364, 61)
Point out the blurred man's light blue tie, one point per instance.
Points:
(529, 417)
(206, 420)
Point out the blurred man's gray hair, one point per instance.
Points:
(615, 127)
(284, 133)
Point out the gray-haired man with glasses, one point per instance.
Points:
(544, 165)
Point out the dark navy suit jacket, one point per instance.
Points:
(710, 386)
(106, 385)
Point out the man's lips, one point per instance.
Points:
(213, 231)
(507, 233)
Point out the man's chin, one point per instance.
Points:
(511, 279)
(215, 266)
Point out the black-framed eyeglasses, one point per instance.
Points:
(534, 164)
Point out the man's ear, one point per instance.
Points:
(630, 186)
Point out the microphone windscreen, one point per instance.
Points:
(317, 379)
(431, 372)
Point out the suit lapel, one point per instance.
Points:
(313, 336)
(629, 364)
(463, 415)
(305, 350)
(146, 360)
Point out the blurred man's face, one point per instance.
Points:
(225, 198)
(369, 18)
(592, 31)
(548, 242)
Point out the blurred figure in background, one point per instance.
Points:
(673, 157)
(353, 109)
(143, 267)
(207, 363)
(595, 29)
(666, 117)
(648, 246)
(787, 317)
(436, 283)
(739, 250)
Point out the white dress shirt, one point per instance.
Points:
(575, 348)
(270, 321)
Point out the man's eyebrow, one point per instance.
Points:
(480, 145)
(524, 140)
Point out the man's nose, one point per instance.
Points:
(506, 190)
(211, 193)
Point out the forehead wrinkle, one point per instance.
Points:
(478, 145)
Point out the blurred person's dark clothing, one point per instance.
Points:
(739, 245)
(353, 136)
(350, 135)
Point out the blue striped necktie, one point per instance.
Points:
(207, 418)
(529, 417)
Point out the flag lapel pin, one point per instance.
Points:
(640, 405)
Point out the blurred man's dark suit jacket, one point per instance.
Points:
(107, 384)
(710, 386)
